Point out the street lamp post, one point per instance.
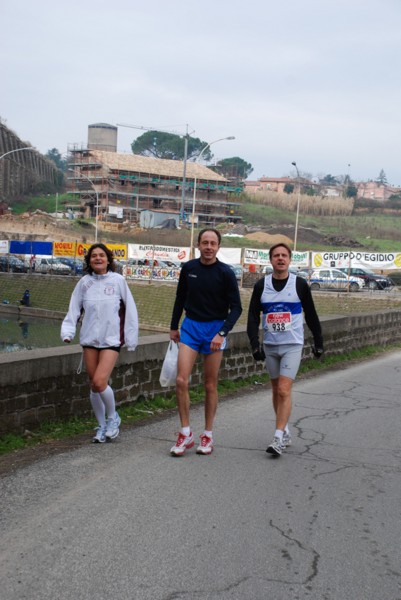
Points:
(97, 199)
(17, 150)
(299, 197)
(230, 137)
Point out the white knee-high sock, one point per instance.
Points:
(108, 398)
(98, 408)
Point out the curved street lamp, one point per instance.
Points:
(230, 137)
(97, 198)
(17, 150)
(299, 197)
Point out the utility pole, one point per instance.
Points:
(184, 175)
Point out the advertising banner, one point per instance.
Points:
(119, 250)
(231, 256)
(64, 249)
(3, 246)
(300, 259)
(261, 257)
(148, 273)
(163, 253)
(368, 260)
(29, 247)
(256, 257)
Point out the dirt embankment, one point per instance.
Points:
(36, 226)
(42, 226)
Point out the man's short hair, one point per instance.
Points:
(283, 244)
(209, 229)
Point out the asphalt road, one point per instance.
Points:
(127, 521)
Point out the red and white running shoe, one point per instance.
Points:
(206, 445)
(184, 442)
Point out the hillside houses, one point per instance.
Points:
(371, 190)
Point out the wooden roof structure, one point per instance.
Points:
(160, 167)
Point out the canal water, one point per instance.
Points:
(18, 334)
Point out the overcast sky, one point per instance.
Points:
(311, 81)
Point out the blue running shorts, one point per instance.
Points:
(199, 334)
(283, 360)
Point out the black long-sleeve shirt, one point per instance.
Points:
(207, 293)
(308, 306)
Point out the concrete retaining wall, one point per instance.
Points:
(43, 385)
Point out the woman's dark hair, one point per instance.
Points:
(109, 254)
(283, 244)
(209, 229)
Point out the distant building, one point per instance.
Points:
(372, 190)
(331, 191)
(275, 184)
(136, 183)
(278, 184)
(251, 187)
(141, 183)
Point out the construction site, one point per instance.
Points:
(123, 186)
(115, 187)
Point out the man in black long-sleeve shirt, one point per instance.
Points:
(282, 297)
(208, 293)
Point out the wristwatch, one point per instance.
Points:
(222, 333)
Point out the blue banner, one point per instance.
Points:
(39, 248)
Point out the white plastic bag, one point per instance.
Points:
(168, 374)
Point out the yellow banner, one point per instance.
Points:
(64, 248)
(119, 250)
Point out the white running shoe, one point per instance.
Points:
(287, 440)
(112, 428)
(100, 435)
(276, 447)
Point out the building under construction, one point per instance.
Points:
(123, 185)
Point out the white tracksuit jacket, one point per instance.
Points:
(110, 314)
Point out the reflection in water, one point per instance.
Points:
(18, 334)
(24, 328)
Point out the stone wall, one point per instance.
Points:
(43, 385)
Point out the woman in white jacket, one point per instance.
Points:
(110, 321)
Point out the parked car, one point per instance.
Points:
(267, 270)
(371, 280)
(304, 273)
(295, 270)
(334, 279)
(51, 265)
(76, 265)
(12, 264)
(238, 271)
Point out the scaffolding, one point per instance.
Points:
(120, 180)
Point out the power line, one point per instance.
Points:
(144, 128)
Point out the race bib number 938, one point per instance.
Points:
(280, 321)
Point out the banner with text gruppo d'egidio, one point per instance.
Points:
(348, 259)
